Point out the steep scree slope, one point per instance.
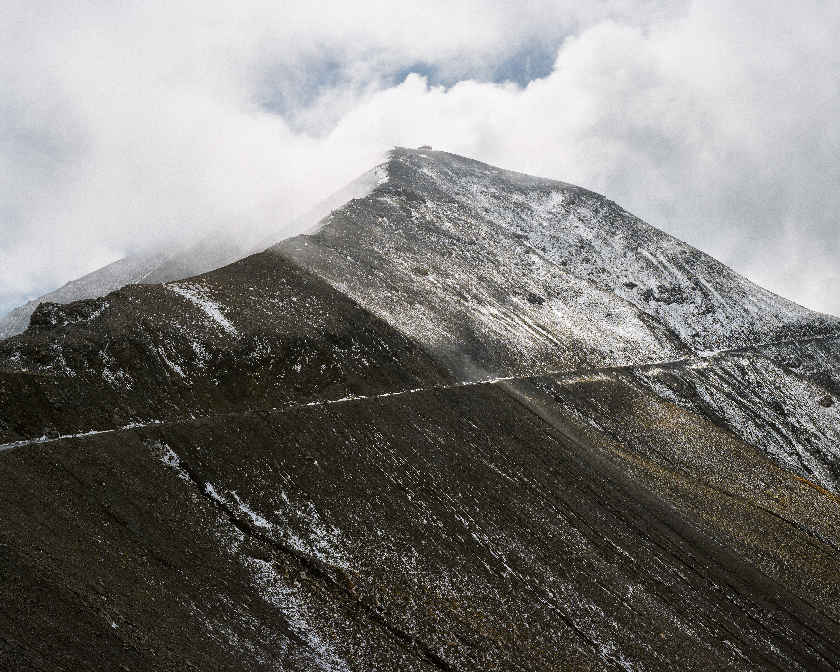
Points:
(469, 528)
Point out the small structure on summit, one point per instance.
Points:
(424, 147)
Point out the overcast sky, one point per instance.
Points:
(123, 123)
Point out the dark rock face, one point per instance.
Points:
(427, 437)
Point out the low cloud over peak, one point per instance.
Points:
(714, 121)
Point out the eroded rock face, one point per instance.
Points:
(473, 423)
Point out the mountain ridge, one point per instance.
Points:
(177, 260)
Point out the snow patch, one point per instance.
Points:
(256, 518)
(199, 296)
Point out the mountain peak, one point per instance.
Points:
(463, 244)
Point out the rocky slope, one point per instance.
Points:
(259, 333)
(443, 431)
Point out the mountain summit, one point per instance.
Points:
(535, 266)
(471, 420)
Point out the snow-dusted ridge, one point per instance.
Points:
(311, 221)
(707, 304)
(496, 269)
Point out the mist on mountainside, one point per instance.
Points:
(177, 259)
(122, 131)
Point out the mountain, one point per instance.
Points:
(516, 246)
(472, 420)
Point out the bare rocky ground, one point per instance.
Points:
(443, 432)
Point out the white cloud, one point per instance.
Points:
(123, 124)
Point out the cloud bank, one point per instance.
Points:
(123, 124)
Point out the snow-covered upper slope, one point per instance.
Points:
(533, 274)
(447, 275)
(708, 304)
